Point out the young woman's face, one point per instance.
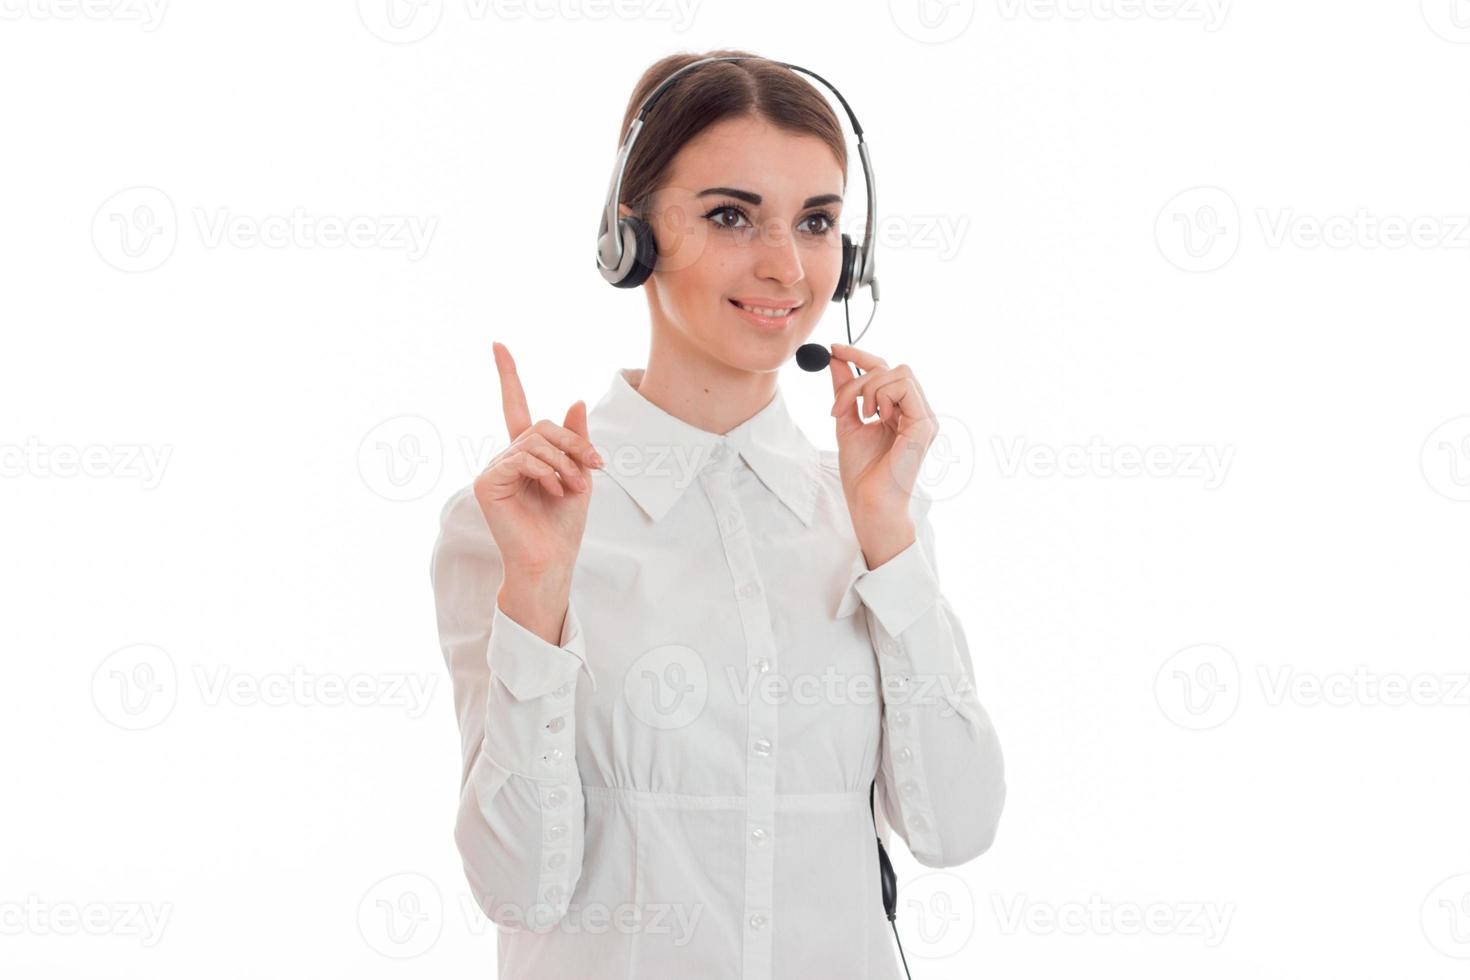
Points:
(749, 214)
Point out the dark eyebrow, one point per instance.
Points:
(756, 199)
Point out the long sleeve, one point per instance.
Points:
(521, 814)
(941, 776)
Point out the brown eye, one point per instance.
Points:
(828, 222)
(723, 210)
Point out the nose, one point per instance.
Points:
(777, 256)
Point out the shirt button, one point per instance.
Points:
(759, 835)
(763, 665)
(910, 788)
(905, 754)
(916, 822)
(563, 690)
(556, 724)
(900, 718)
(558, 796)
(758, 921)
(888, 646)
(554, 757)
(717, 454)
(762, 746)
(556, 831)
(554, 894)
(557, 860)
(749, 590)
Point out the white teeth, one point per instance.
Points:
(765, 311)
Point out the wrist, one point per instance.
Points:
(882, 542)
(537, 602)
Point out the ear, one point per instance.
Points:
(624, 211)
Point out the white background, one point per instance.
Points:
(1232, 696)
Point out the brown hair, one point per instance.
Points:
(703, 96)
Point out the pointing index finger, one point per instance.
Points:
(512, 396)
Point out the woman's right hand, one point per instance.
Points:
(535, 493)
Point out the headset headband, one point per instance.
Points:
(612, 246)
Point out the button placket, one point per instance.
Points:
(762, 738)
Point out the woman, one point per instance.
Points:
(759, 621)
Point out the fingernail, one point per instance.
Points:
(596, 459)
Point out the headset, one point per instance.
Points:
(626, 250)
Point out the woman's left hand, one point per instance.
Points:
(879, 460)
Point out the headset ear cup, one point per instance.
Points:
(849, 257)
(645, 250)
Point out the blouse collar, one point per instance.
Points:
(655, 456)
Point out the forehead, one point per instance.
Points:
(751, 154)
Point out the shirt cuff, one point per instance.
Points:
(531, 711)
(898, 592)
(530, 667)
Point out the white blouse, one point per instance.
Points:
(697, 805)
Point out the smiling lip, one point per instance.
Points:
(765, 302)
(768, 322)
